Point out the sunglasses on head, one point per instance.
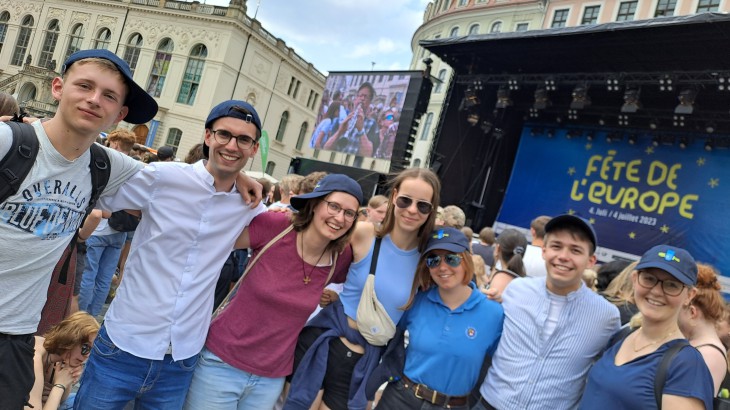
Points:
(85, 349)
(405, 202)
(451, 259)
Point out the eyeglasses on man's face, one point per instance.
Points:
(334, 209)
(224, 137)
(670, 287)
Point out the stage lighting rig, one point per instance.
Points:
(686, 101)
(631, 100)
(503, 98)
(581, 99)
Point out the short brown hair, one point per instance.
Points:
(124, 137)
(70, 332)
(538, 224)
(8, 104)
(486, 235)
(310, 181)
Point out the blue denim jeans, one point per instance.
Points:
(102, 255)
(217, 385)
(113, 377)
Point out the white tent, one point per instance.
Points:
(259, 174)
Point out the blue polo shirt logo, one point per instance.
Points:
(471, 333)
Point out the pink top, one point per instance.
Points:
(258, 331)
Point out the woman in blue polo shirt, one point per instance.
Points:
(451, 326)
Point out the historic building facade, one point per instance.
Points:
(189, 56)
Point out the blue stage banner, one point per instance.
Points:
(154, 125)
(636, 195)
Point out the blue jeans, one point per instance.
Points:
(217, 386)
(113, 377)
(102, 255)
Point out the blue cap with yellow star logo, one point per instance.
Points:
(448, 239)
(675, 261)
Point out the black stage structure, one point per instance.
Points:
(670, 76)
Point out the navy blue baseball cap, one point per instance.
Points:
(232, 108)
(327, 185)
(142, 107)
(448, 239)
(675, 261)
(568, 220)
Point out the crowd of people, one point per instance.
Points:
(317, 301)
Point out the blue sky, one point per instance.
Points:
(343, 35)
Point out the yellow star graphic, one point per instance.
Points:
(632, 235)
(592, 221)
(571, 171)
(649, 150)
(571, 212)
(589, 146)
(664, 229)
(700, 161)
(714, 182)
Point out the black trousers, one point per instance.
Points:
(397, 397)
(16, 370)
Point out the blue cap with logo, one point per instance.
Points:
(675, 261)
(232, 108)
(142, 107)
(448, 239)
(327, 185)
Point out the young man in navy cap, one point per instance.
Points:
(554, 327)
(95, 91)
(192, 214)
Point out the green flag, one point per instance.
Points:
(264, 149)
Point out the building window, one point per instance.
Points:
(462, 3)
(426, 130)
(665, 8)
(160, 67)
(282, 126)
(193, 73)
(293, 87)
(4, 18)
(474, 29)
(590, 15)
(103, 39)
(316, 154)
(417, 163)
(49, 44)
(496, 27)
(454, 32)
(132, 49)
(332, 156)
(302, 135)
(21, 45)
(522, 26)
(270, 167)
(74, 42)
(440, 83)
(560, 18)
(626, 10)
(173, 139)
(708, 5)
(446, 5)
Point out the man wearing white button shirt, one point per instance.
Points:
(191, 216)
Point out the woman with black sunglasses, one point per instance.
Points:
(58, 360)
(333, 360)
(451, 328)
(625, 376)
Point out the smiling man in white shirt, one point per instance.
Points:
(191, 216)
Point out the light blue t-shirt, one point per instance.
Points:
(393, 279)
(447, 347)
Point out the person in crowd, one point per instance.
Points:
(723, 327)
(195, 154)
(485, 247)
(333, 360)
(8, 107)
(469, 234)
(508, 253)
(589, 278)
(554, 327)
(376, 209)
(610, 270)
(95, 90)
(480, 271)
(454, 217)
(310, 181)
(59, 360)
(697, 322)
(354, 133)
(191, 216)
(451, 327)
(288, 187)
(620, 292)
(534, 263)
(664, 284)
(244, 363)
(388, 127)
(104, 246)
(326, 127)
(271, 191)
(166, 153)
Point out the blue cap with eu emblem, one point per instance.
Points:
(675, 261)
(448, 239)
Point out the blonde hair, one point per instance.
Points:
(70, 332)
(621, 288)
(122, 136)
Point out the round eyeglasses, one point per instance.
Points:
(224, 137)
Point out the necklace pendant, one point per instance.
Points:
(306, 280)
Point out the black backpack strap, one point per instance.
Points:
(100, 171)
(374, 259)
(661, 374)
(19, 160)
